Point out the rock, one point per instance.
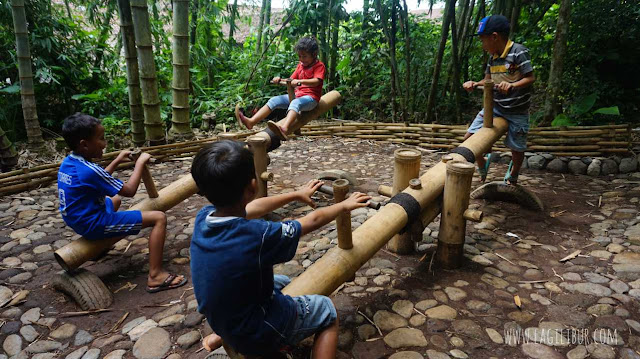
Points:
(188, 339)
(132, 324)
(628, 164)
(417, 320)
(627, 353)
(532, 274)
(30, 316)
(153, 344)
(405, 337)
(78, 353)
(579, 352)
(404, 308)
(141, 329)
(171, 320)
(366, 331)
(43, 346)
(494, 281)
(600, 309)
(468, 328)
(540, 351)
(192, 319)
(103, 342)
(601, 351)
(65, 331)
(10, 327)
(455, 294)
(116, 354)
(28, 333)
(20, 278)
(609, 166)
(557, 165)
(633, 325)
(12, 345)
(607, 336)
(92, 354)
(82, 337)
(426, 304)
(478, 305)
(388, 321)
(406, 355)
(592, 289)
(433, 354)
(345, 338)
(381, 279)
(594, 168)
(577, 167)
(457, 353)
(494, 335)
(176, 309)
(536, 162)
(443, 312)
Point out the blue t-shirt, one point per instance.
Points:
(232, 262)
(82, 187)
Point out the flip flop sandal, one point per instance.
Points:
(277, 130)
(219, 353)
(510, 179)
(238, 113)
(484, 172)
(166, 285)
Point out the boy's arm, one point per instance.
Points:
(320, 217)
(526, 81)
(261, 206)
(130, 188)
(119, 159)
(310, 82)
(471, 85)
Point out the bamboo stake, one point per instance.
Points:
(406, 167)
(488, 104)
(343, 221)
(258, 146)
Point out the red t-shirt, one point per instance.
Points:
(315, 71)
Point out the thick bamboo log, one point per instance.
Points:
(181, 127)
(147, 179)
(81, 250)
(337, 265)
(453, 225)
(385, 190)
(343, 221)
(258, 145)
(329, 190)
(406, 167)
(488, 103)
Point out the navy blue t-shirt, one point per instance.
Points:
(232, 262)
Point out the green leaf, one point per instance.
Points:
(562, 120)
(15, 88)
(608, 111)
(584, 105)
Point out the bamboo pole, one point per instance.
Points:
(337, 265)
(473, 215)
(488, 103)
(258, 146)
(147, 179)
(457, 188)
(343, 221)
(385, 190)
(180, 127)
(406, 167)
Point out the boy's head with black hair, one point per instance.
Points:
(307, 49)
(84, 134)
(494, 33)
(224, 173)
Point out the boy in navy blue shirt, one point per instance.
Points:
(90, 197)
(233, 253)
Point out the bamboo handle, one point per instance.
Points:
(152, 191)
(329, 190)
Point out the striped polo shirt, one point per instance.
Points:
(511, 66)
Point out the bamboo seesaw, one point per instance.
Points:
(74, 254)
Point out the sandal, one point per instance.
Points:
(485, 170)
(166, 285)
(238, 116)
(509, 178)
(277, 130)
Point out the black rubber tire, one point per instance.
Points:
(85, 288)
(338, 174)
(498, 191)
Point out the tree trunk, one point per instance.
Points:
(261, 27)
(105, 30)
(446, 23)
(456, 68)
(156, 19)
(66, 4)
(210, 50)
(365, 15)
(323, 10)
(267, 24)
(392, 55)
(194, 22)
(180, 126)
(153, 127)
(232, 22)
(29, 111)
(552, 104)
(407, 56)
(468, 40)
(334, 49)
(8, 154)
(133, 77)
(515, 15)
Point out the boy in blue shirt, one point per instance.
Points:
(512, 73)
(233, 253)
(90, 197)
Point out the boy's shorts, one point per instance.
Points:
(116, 224)
(518, 129)
(314, 313)
(299, 104)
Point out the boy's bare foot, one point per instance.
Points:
(211, 342)
(242, 119)
(165, 281)
(277, 130)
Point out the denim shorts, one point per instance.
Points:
(115, 224)
(299, 104)
(314, 313)
(518, 129)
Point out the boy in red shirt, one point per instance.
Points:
(307, 80)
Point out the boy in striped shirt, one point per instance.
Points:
(90, 197)
(510, 69)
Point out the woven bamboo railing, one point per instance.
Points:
(564, 141)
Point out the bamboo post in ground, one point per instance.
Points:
(457, 187)
(343, 221)
(27, 94)
(290, 91)
(488, 103)
(258, 146)
(147, 179)
(180, 127)
(154, 130)
(406, 167)
(8, 154)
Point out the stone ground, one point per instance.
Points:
(397, 307)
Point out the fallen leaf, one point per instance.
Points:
(570, 256)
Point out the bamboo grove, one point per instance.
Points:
(150, 69)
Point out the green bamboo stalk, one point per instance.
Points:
(180, 128)
(29, 111)
(153, 127)
(136, 111)
(8, 154)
